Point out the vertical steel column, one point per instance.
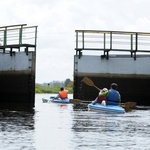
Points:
(20, 35)
(83, 39)
(136, 45)
(110, 40)
(131, 45)
(76, 42)
(35, 42)
(5, 36)
(104, 43)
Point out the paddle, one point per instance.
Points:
(127, 109)
(123, 105)
(127, 105)
(89, 82)
(78, 101)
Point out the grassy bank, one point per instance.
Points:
(49, 89)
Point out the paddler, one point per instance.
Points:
(63, 94)
(113, 97)
(99, 99)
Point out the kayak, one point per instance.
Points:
(58, 100)
(107, 108)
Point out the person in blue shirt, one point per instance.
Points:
(113, 97)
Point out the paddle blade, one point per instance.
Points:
(128, 106)
(131, 104)
(88, 81)
(127, 109)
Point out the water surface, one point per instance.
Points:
(59, 127)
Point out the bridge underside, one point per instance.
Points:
(17, 91)
(135, 89)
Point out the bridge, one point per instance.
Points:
(17, 66)
(113, 56)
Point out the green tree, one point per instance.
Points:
(67, 81)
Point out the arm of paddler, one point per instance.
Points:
(119, 98)
(104, 94)
(56, 97)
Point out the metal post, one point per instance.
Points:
(110, 40)
(136, 45)
(5, 36)
(76, 42)
(131, 45)
(35, 37)
(20, 35)
(83, 39)
(104, 43)
(136, 42)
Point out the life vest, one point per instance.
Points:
(63, 94)
(113, 97)
(100, 99)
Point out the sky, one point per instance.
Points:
(57, 21)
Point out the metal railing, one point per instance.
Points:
(16, 36)
(109, 41)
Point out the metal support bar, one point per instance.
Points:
(26, 50)
(20, 35)
(131, 45)
(110, 40)
(104, 43)
(83, 40)
(5, 37)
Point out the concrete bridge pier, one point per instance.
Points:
(113, 56)
(17, 67)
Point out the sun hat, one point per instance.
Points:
(105, 89)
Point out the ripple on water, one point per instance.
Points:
(59, 127)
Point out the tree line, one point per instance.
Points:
(66, 83)
(54, 86)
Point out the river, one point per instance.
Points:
(59, 127)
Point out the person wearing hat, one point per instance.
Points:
(99, 99)
(112, 96)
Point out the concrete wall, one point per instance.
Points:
(17, 78)
(17, 62)
(114, 65)
(132, 76)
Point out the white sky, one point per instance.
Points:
(57, 21)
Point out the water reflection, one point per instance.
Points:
(16, 130)
(58, 126)
(95, 122)
(107, 131)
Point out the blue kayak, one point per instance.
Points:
(58, 100)
(107, 108)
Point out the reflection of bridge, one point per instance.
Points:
(17, 65)
(113, 56)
